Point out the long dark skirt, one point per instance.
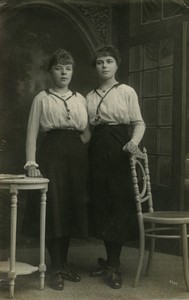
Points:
(112, 209)
(63, 158)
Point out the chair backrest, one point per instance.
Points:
(141, 181)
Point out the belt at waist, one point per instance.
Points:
(112, 124)
(66, 129)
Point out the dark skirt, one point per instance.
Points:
(63, 158)
(112, 212)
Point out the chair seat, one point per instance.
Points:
(167, 217)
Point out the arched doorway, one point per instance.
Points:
(29, 33)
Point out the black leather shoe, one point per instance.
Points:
(114, 278)
(100, 270)
(69, 273)
(56, 280)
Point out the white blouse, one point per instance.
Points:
(50, 112)
(119, 106)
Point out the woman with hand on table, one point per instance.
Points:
(63, 159)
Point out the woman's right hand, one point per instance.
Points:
(32, 171)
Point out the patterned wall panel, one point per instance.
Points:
(98, 19)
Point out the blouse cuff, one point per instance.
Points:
(30, 163)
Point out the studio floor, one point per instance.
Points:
(164, 282)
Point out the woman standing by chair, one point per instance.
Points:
(113, 110)
(62, 114)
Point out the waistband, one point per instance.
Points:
(66, 130)
(112, 125)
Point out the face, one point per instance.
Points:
(106, 67)
(61, 74)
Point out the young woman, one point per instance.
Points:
(113, 111)
(62, 114)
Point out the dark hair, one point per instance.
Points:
(60, 56)
(107, 50)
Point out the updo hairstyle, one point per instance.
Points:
(61, 56)
(107, 50)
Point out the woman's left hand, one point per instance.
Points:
(132, 149)
(86, 135)
(84, 139)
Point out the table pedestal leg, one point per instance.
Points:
(12, 271)
(42, 266)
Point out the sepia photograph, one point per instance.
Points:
(94, 149)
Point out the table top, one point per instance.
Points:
(26, 180)
(26, 183)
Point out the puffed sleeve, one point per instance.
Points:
(136, 119)
(33, 129)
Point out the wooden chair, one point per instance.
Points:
(163, 224)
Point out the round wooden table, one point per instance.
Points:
(11, 267)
